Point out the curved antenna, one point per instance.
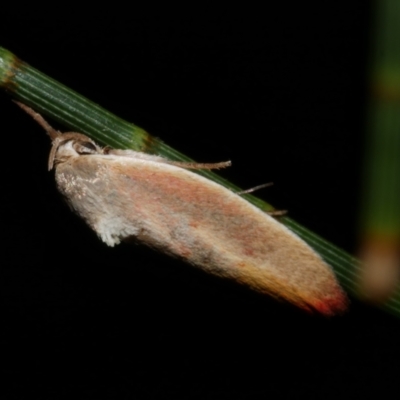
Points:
(54, 135)
(41, 121)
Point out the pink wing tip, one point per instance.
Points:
(333, 304)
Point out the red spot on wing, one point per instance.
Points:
(331, 305)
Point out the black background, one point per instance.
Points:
(281, 91)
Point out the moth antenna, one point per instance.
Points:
(40, 120)
(194, 165)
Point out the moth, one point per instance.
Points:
(124, 194)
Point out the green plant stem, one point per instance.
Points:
(60, 103)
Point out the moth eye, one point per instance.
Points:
(85, 148)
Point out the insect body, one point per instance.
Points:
(124, 194)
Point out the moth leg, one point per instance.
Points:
(274, 213)
(253, 189)
(277, 213)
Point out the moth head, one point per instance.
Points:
(64, 146)
(71, 144)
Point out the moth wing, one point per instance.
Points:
(186, 215)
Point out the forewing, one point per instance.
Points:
(184, 214)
